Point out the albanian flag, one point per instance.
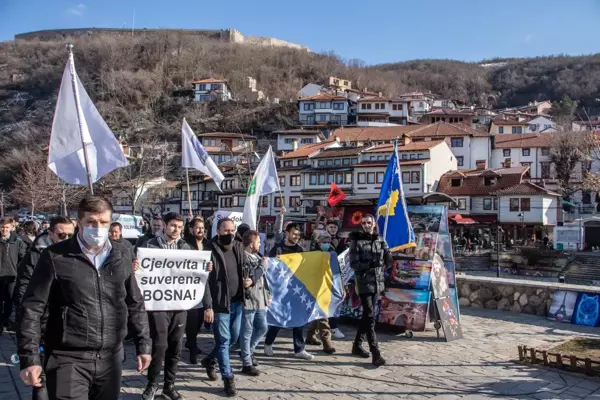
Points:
(336, 195)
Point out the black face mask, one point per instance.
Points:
(226, 239)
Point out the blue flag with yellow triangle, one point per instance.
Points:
(392, 217)
(304, 287)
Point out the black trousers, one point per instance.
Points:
(367, 322)
(297, 335)
(68, 378)
(7, 287)
(195, 320)
(166, 330)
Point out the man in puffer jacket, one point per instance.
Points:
(369, 254)
(12, 251)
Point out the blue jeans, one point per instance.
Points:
(254, 328)
(226, 328)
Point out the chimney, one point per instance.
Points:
(406, 140)
(295, 145)
(379, 94)
(481, 164)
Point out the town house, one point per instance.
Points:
(382, 109)
(323, 109)
(206, 90)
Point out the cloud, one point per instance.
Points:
(528, 38)
(77, 10)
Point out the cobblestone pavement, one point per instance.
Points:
(476, 367)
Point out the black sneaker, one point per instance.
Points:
(171, 393)
(150, 391)
(378, 361)
(359, 351)
(254, 361)
(193, 356)
(211, 368)
(230, 389)
(250, 371)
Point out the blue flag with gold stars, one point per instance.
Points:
(392, 217)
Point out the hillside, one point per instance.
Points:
(132, 81)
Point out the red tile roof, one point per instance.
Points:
(377, 98)
(340, 152)
(211, 80)
(522, 140)
(443, 129)
(527, 189)
(323, 97)
(450, 111)
(306, 150)
(381, 163)
(414, 146)
(509, 121)
(297, 132)
(473, 182)
(227, 135)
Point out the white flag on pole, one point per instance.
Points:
(264, 181)
(78, 123)
(194, 156)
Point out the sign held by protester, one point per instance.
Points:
(344, 262)
(220, 214)
(172, 279)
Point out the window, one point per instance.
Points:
(323, 104)
(495, 203)
(456, 142)
(395, 107)
(346, 161)
(330, 177)
(363, 106)
(377, 106)
(514, 205)
(380, 177)
(338, 106)
(487, 204)
(526, 164)
(354, 161)
(282, 181)
(406, 177)
(313, 179)
(506, 152)
(362, 178)
(462, 204)
(303, 162)
(460, 161)
(489, 181)
(295, 180)
(526, 152)
(405, 156)
(309, 106)
(322, 117)
(338, 162)
(517, 129)
(329, 163)
(545, 151)
(225, 202)
(321, 163)
(525, 204)
(501, 129)
(294, 201)
(287, 163)
(321, 179)
(306, 140)
(201, 87)
(547, 126)
(455, 182)
(415, 176)
(264, 202)
(371, 177)
(413, 156)
(348, 178)
(545, 167)
(277, 202)
(194, 195)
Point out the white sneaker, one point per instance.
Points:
(268, 350)
(304, 355)
(337, 334)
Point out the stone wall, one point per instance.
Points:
(529, 297)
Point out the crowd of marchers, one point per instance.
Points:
(76, 300)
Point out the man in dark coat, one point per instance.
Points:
(369, 254)
(12, 251)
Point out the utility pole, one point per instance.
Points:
(1, 203)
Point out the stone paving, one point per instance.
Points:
(479, 366)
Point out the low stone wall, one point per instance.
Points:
(529, 297)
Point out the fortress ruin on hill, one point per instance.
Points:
(225, 35)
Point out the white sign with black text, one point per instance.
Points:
(172, 280)
(220, 214)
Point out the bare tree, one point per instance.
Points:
(35, 186)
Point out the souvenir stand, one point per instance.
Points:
(420, 283)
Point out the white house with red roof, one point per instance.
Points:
(382, 109)
(323, 109)
(211, 89)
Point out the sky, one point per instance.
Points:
(374, 32)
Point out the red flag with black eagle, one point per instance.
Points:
(336, 195)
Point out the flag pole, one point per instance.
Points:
(79, 116)
(189, 196)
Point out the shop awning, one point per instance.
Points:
(460, 220)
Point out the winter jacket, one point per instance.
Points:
(257, 296)
(216, 294)
(143, 241)
(27, 265)
(337, 244)
(159, 242)
(127, 245)
(281, 248)
(206, 244)
(88, 308)
(369, 254)
(12, 251)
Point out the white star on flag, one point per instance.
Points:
(282, 273)
(309, 304)
(297, 290)
(303, 297)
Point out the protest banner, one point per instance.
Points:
(220, 214)
(344, 262)
(172, 279)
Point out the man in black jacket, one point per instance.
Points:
(224, 300)
(195, 317)
(12, 251)
(369, 254)
(86, 286)
(156, 228)
(116, 234)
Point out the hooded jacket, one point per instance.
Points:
(369, 254)
(12, 251)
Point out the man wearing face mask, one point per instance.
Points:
(86, 286)
(60, 229)
(166, 327)
(225, 300)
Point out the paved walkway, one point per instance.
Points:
(476, 367)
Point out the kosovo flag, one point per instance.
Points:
(392, 217)
(304, 287)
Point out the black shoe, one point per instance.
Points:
(250, 371)
(150, 391)
(230, 389)
(254, 361)
(193, 356)
(171, 393)
(359, 351)
(378, 361)
(211, 368)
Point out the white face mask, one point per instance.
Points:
(95, 237)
